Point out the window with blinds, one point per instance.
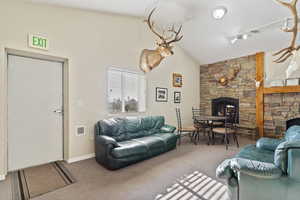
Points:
(126, 91)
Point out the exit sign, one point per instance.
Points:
(38, 42)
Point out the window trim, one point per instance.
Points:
(126, 70)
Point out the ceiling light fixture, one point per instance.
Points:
(219, 12)
(234, 40)
(244, 36)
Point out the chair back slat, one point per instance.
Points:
(197, 112)
(231, 117)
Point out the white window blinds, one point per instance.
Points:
(126, 91)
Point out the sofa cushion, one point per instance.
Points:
(137, 127)
(134, 128)
(136, 135)
(114, 127)
(155, 122)
(268, 143)
(159, 122)
(133, 124)
(148, 123)
(252, 153)
(151, 142)
(293, 133)
(129, 148)
(167, 137)
(155, 145)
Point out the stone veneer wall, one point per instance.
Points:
(242, 88)
(278, 109)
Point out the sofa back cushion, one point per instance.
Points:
(122, 129)
(293, 133)
(133, 128)
(113, 127)
(152, 122)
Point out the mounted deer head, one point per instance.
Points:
(224, 78)
(150, 59)
(293, 48)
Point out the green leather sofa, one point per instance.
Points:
(122, 141)
(269, 170)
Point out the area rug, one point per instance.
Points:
(36, 181)
(195, 186)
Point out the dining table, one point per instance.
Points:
(209, 121)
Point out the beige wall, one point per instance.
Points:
(92, 42)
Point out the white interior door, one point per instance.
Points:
(35, 120)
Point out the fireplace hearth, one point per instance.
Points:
(219, 105)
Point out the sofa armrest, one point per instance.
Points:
(106, 141)
(103, 148)
(167, 129)
(268, 143)
(224, 171)
(229, 168)
(256, 168)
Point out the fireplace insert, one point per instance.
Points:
(218, 106)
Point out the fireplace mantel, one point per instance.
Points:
(283, 89)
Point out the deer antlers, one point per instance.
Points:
(164, 40)
(288, 52)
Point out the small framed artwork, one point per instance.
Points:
(292, 81)
(177, 97)
(177, 80)
(161, 94)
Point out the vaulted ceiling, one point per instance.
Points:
(205, 38)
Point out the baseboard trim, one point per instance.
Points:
(2, 177)
(79, 158)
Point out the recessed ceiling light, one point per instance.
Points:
(219, 12)
(234, 40)
(245, 36)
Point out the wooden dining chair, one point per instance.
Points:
(184, 131)
(230, 128)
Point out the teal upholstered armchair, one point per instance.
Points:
(269, 170)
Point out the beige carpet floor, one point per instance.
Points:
(141, 181)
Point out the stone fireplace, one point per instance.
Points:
(241, 91)
(280, 112)
(218, 106)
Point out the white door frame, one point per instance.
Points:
(4, 105)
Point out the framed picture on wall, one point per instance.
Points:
(177, 80)
(161, 94)
(177, 97)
